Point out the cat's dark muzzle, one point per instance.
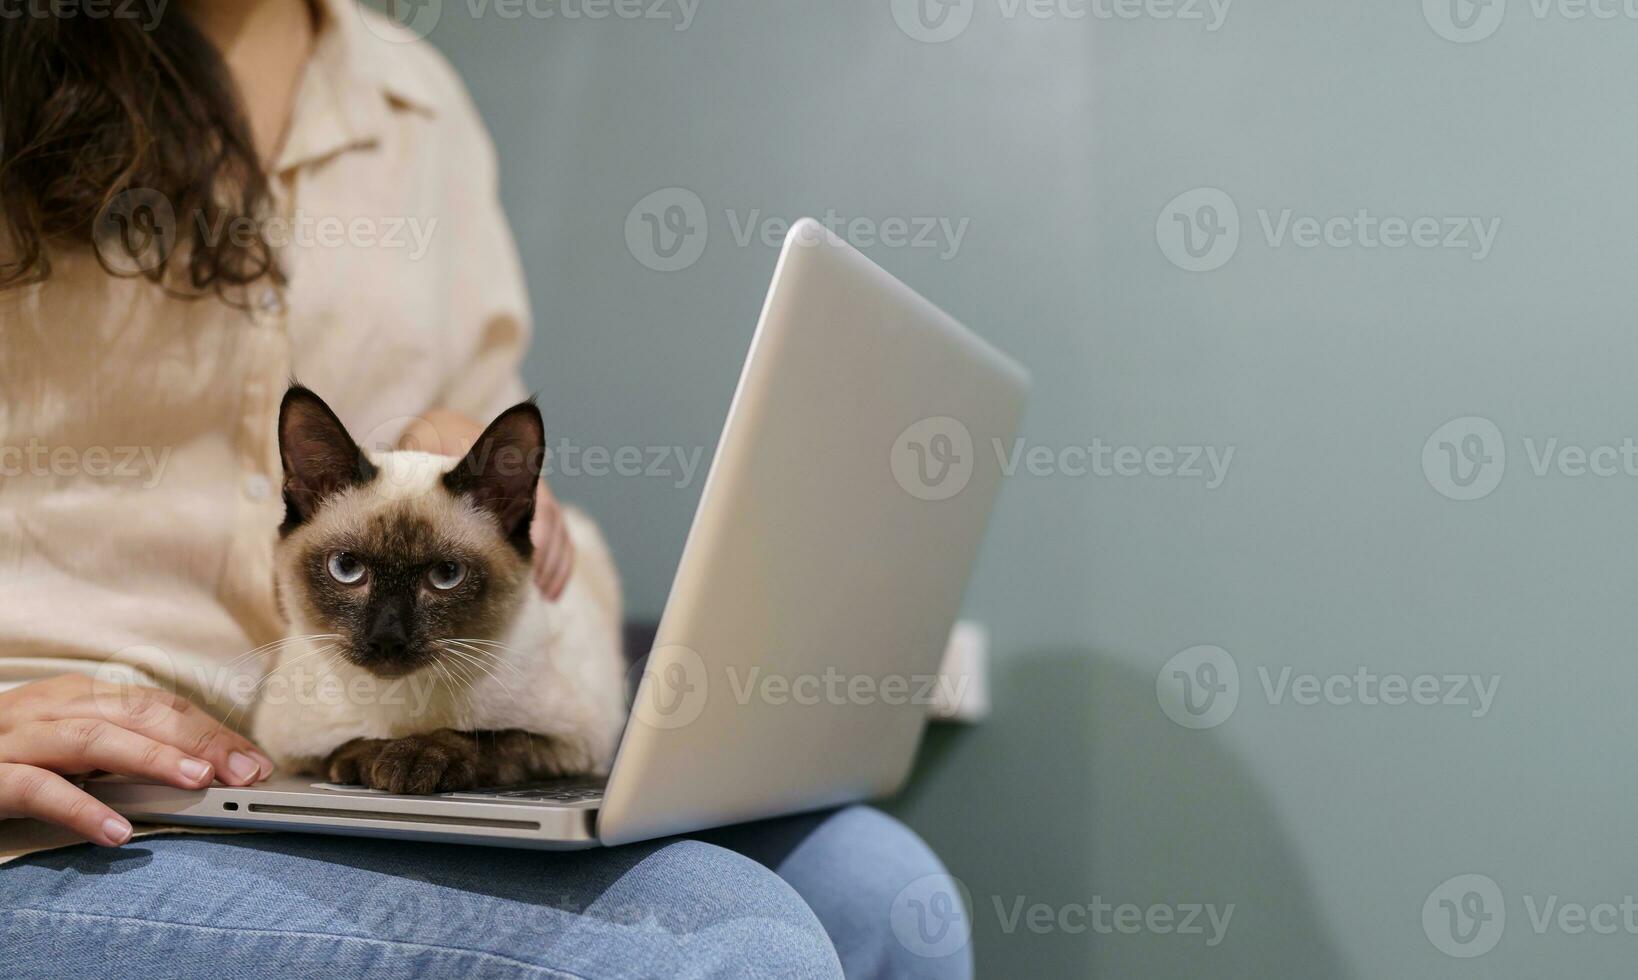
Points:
(388, 646)
(388, 658)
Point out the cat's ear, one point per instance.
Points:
(501, 470)
(319, 457)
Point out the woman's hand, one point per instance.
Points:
(554, 551)
(73, 725)
(452, 434)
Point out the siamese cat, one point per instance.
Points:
(409, 572)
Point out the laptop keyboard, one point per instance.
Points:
(554, 791)
(557, 791)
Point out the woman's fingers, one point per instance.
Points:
(85, 744)
(554, 552)
(178, 722)
(562, 563)
(27, 791)
(552, 567)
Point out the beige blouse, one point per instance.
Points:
(139, 470)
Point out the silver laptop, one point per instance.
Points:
(821, 577)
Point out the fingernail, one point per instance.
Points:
(264, 765)
(194, 770)
(116, 830)
(242, 767)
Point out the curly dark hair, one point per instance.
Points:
(96, 109)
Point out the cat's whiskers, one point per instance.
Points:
(462, 669)
(490, 649)
(261, 682)
(275, 645)
(481, 664)
(480, 654)
(473, 662)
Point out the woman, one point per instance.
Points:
(196, 209)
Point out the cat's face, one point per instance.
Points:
(403, 553)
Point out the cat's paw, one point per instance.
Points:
(439, 762)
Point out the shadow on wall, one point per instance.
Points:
(1185, 820)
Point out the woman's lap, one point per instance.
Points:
(329, 906)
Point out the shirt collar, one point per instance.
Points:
(358, 76)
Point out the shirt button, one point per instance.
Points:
(257, 487)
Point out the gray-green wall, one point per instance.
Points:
(1331, 547)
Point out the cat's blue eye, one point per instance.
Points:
(446, 575)
(345, 568)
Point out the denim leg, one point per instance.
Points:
(889, 905)
(314, 906)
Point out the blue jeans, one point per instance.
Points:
(808, 896)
